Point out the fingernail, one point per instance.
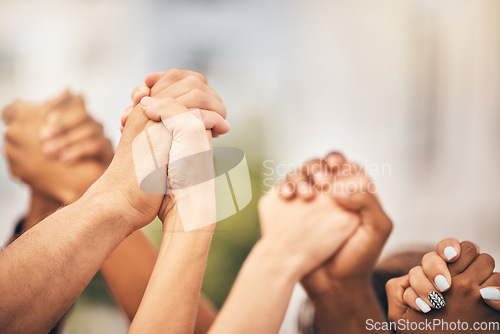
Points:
(441, 283)
(450, 253)
(146, 101)
(436, 300)
(490, 293)
(422, 305)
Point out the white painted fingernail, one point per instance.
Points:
(441, 283)
(490, 293)
(450, 253)
(422, 305)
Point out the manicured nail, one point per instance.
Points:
(490, 293)
(146, 101)
(450, 253)
(422, 305)
(436, 300)
(441, 283)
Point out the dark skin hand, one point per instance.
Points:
(471, 272)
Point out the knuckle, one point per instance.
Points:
(429, 257)
(487, 259)
(194, 81)
(199, 95)
(415, 272)
(468, 248)
(174, 74)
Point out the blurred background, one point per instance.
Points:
(408, 88)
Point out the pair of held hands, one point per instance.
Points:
(56, 147)
(53, 146)
(329, 220)
(455, 272)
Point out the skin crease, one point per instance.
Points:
(469, 272)
(341, 288)
(136, 248)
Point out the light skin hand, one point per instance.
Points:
(190, 88)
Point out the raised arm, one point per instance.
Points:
(298, 236)
(46, 268)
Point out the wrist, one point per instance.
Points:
(277, 258)
(112, 205)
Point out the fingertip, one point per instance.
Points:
(334, 160)
(151, 79)
(449, 249)
(286, 190)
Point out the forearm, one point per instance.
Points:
(46, 269)
(127, 272)
(346, 309)
(260, 296)
(172, 297)
(41, 206)
(128, 269)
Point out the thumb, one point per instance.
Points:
(395, 289)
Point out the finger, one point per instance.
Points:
(87, 131)
(297, 175)
(425, 289)
(468, 252)
(395, 289)
(62, 98)
(319, 174)
(286, 190)
(198, 99)
(11, 111)
(162, 109)
(480, 269)
(81, 151)
(411, 298)
(186, 85)
(138, 93)
(490, 291)
(449, 249)
(356, 196)
(436, 270)
(213, 121)
(161, 80)
(62, 121)
(305, 191)
(125, 115)
(491, 296)
(334, 160)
